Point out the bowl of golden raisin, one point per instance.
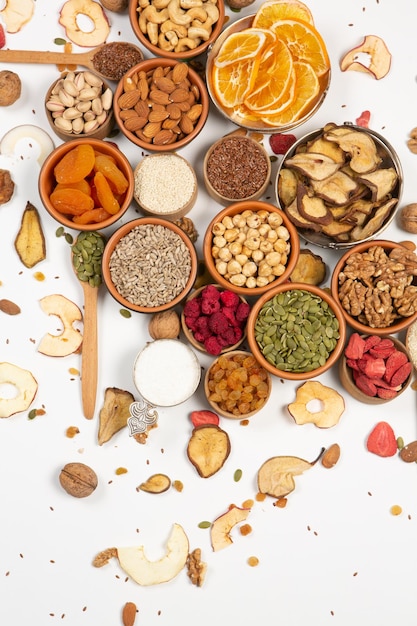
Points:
(86, 184)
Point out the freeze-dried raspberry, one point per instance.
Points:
(211, 292)
(228, 337)
(192, 308)
(191, 323)
(202, 327)
(218, 323)
(212, 345)
(242, 312)
(230, 314)
(209, 306)
(229, 299)
(280, 142)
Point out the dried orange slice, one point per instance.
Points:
(305, 43)
(307, 91)
(245, 44)
(274, 78)
(273, 10)
(232, 83)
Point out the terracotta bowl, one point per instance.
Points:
(142, 133)
(167, 50)
(154, 191)
(255, 331)
(47, 181)
(399, 324)
(103, 129)
(347, 380)
(189, 334)
(234, 114)
(225, 169)
(231, 212)
(164, 228)
(255, 369)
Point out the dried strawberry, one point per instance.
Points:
(374, 368)
(393, 363)
(383, 349)
(2, 37)
(353, 364)
(355, 347)
(371, 341)
(386, 394)
(281, 142)
(364, 384)
(400, 376)
(202, 418)
(363, 119)
(382, 440)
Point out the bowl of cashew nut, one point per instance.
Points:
(178, 29)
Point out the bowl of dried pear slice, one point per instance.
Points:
(340, 185)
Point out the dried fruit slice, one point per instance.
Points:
(157, 483)
(114, 413)
(305, 43)
(30, 240)
(221, 527)
(273, 10)
(378, 53)
(26, 387)
(70, 339)
(382, 440)
(243, 45)
(332, 405)
(75, 164)
(234, 82)
(208, 449)
(276, 475)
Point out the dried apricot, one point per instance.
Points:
(83, 185)
(71, 201)
(114, 175)
(91, 217)
(75, 164)
(105, 195)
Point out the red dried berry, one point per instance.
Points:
(383, 349)
(382, 440)
(386, 394)
(242, 312)
(231, 316)
(371, 341)
(228, 338)
(363, 119)
(192, 308)
(209, 306)
(212, 345)
(374, 368)
(2, 37)
(355, 347)
(229, 299)
(202, 418)
(393, 363)
(400, 376)
(218, 323)
(364, 384)
(210, 292)
(280, 142)
(191, 323)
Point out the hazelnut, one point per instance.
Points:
(408, 218)
(117, 6)
(164, 325)
(10, 88)
(78, 479)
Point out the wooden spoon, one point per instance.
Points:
(85, 59)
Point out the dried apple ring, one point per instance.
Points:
(332, 405)
(25, 384)
(69, 18)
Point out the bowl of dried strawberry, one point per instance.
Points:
(375, 369)
(214, 319)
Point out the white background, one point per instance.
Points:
(335, 555)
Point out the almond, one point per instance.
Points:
(142, 108)
(143, 88)
(129, 614)
(174, 111)
(129, 83)
(179, 95)
(331, 456)
(163, 137)
(179, 72)
(158, 115)
(165, 84)
(135, 123)
(195, 112)
(126, 113)
(158, 96)
(186, 124)
(170, 124)
(129, 99)
(9, 307)
(151, 129)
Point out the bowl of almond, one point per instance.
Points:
(161, 104)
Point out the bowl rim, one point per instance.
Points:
(216, 407)
(288, 286)
(121, 232)
(187, 54)
(188, 333)
(218, 196)
(351, 321)
(238, 25)
(152, 63)
(56, 155)
(319, 239)
(241, 206)
(346, 378)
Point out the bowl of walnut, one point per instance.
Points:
(340, 185)
(375, 284)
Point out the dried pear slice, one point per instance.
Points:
(157, 483)
(337, 189)
(313, 165)
(309, 269)
(114, 413)
(208, 449)
(298, 220)
(30, 240)
(381, 182)
(287, 185)
(329, 148)
(312, 208)
(361, 147)
(376, 221)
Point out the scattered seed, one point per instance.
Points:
(125, 313)
(396, 509)
(60, 231)
(204, 525)
(237, 475)
(32, 414)
(400, 443)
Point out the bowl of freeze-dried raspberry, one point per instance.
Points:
(375, 369)
(214, 319)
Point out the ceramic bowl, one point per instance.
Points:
(341, 233)
(311, 336)
(236, 168)
(169, 46)
(360, 324)
(254, 121)
(47, 181)
(231, 326)
(162, 239)
(268, 214)
(244, 403)
(158, 134)
(154, 191)
(347, 378)
(73, 120)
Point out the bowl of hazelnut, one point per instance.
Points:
(250, 246)
(178, 30)
(374, 283)
(161, 104)
(236, 385)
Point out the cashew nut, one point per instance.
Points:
(166, 41)
(198, 33)
(151, 14)
(177, 15)
(152, 32)
(160, 4)
(198, 13)
(186, 43)
(189, 4)
(178, 29)
(212, 11)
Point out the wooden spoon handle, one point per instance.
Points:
(89, 356)
(37, 56)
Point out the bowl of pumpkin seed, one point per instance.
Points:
(296, 331)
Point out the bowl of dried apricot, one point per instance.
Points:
(375, 284)
(161, 104)
(269, 71)
(236, 385)
(340, 185)
(375, 369)
(86, 184)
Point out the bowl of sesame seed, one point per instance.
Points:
(165, 185)
(149, 265)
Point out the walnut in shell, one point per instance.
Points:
(10, 88)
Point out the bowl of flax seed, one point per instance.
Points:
(149, 265)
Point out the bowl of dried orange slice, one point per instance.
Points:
(270, 70)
